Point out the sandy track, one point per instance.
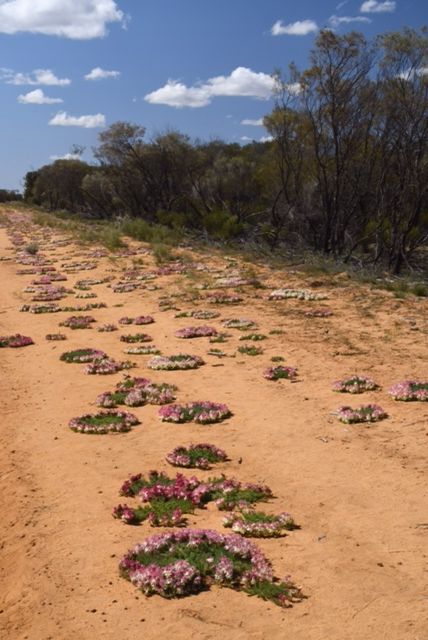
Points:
(359, 493)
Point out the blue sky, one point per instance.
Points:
(198, 66)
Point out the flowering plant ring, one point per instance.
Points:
(201, 314)
(108, 327)
(78, 322)
(235, 281)
(104, 422)
(41, 308)
(280, 372)
(183, 562)
(198, 314)
(196, 456)
(196, 332)
(106, 366)
(136, 337)
(257, 524)
(218, 298)
(319, 313)
(82, 355)
(87, 307)
(410, 390)
(15, 341)
(143, 351)
(201, 412)
(143, 320)
(159, 513)
(227, 493)
(177, 362)
(355, 384)
(364, 413)
(239, 323)
(136, 392)
(300, 294)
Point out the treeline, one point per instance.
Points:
(9, 195)
(345, 174)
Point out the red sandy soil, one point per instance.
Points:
(357, 491)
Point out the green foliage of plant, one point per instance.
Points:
(32, 248)
(250, 351)
(103, 420)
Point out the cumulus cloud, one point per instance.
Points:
(266, 139)
(372, 6)
(242, 82)
(38, 76)
(66, 156)
(101, 74)
(62, 119)
(336, 21)
(252, 123)
(299, 28)
(76, 19)
(37, 97)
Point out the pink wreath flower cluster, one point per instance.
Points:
(15, 341)
(219, 298)
(104, 422)
(254, 524)
(410, 390)
(196, 456)
(299, 294)
(280, 372)
(227, 493)
(226, 560)
(135, 392)
(136, 337)
(78, 322)
(107, 328)
(196, 332)
(204, 412)
(364, 413)
(107, 366)
(355, 384)
(138, 320)
(177, 362)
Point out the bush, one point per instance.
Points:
(32, 248)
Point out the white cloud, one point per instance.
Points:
(66, 156)
(372, 6)
(100, 74)
(246, 139)
(266, 139)
(409, 74)
(76, 19)
(62, 119)
(242, 82)
(38, 76)
(299, 28)
(336, 21)
(176, 94)
(252, 123)
(37, 97)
